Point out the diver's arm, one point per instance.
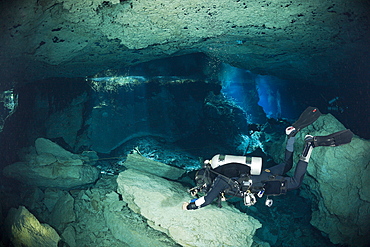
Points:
(218, 186)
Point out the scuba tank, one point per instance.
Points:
(255, 163)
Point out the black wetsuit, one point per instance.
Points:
(271, 180)
(276, 173)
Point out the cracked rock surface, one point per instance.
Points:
(306, 40)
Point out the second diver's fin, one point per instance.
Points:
(333, 140)
(310, 115)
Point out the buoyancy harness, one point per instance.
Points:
(243, 188)
(239, 186)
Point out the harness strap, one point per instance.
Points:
(228, 180)
(232, 183)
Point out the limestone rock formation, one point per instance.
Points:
(25, 230)
(49, 165)
(160, 202)
(338, 180)
(99, 216)
(318, 42)
(103, 219)
(159, 169)
(63, 211)
(129, 227)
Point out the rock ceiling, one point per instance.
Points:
(307, 41)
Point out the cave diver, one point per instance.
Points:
(240, 176)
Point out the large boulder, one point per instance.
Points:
(160, 201)
(24, 230)
(338, 180)
(49, 165)
(129, 227)
(63, 211)
(103, 219)
(139, 162)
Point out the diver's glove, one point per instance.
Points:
(190, 206)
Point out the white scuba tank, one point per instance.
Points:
(255, 163)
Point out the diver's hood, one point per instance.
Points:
(203, 178)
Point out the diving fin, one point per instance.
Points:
(333, 140)
(310, 115)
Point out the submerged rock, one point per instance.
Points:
(49, 165)
(99, 216)
(25, 230)
(104, 220)
(63, 211)
(141, 163)
(338, 179)
(160, 202)
(131, 228)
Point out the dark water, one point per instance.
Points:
(287, 222)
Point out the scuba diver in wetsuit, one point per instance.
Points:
(241, 176)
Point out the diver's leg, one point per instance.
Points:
(287, 164)
(301, 169)
(296, 181)
(288, 160)
(335, 139)
(283, 167)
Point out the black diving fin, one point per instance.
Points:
(310, 115)
(333, 140)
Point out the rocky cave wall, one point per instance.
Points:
(336, 182)
(339, 181)
(315, 41)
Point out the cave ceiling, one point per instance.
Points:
(304, 41)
